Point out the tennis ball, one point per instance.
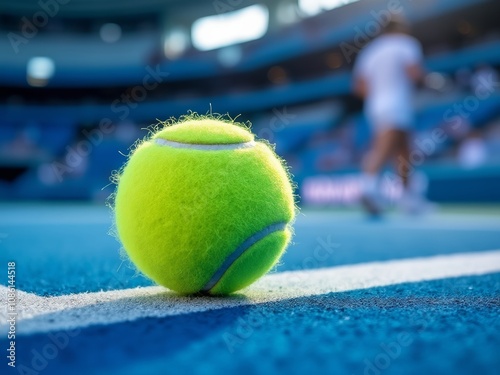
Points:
(202, 207)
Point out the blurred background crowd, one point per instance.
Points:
(81, 80)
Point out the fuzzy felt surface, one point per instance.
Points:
(181, 212)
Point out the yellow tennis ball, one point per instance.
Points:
(203, 207)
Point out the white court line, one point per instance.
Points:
(44, 314)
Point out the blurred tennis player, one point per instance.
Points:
(385, 75)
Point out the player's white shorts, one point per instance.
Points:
(390, 119)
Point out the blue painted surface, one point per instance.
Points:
(437, 327)
(447, 326)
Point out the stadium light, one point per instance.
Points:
(240, 26)
(175, 43)
(39, 70)
(287, 12)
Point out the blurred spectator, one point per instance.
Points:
(492, 140)
(472, 152)
(485, 77)
(463, 78)
(24, 147)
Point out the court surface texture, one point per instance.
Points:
(397, 295)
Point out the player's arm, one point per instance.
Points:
(415, 72)
(359, 82)
(360, 86)
(414, 63)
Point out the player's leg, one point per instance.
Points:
(384, 146)
(412, 201)
(402, 156)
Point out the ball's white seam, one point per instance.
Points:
(239, 251)
(204, 147)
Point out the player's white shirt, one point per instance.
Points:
(383, 65)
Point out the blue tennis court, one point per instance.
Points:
(434, 324)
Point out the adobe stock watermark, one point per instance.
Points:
(462, 110)
(389, 352)
(22, 311)
(121, 107)
(452, 117)
(40, 359)
(11, 313)
(392, 350)
(245, 327)
(225, 6)
(235, 336)
(280, 120)
(31, 26)
(371, 29)
(324, 250)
